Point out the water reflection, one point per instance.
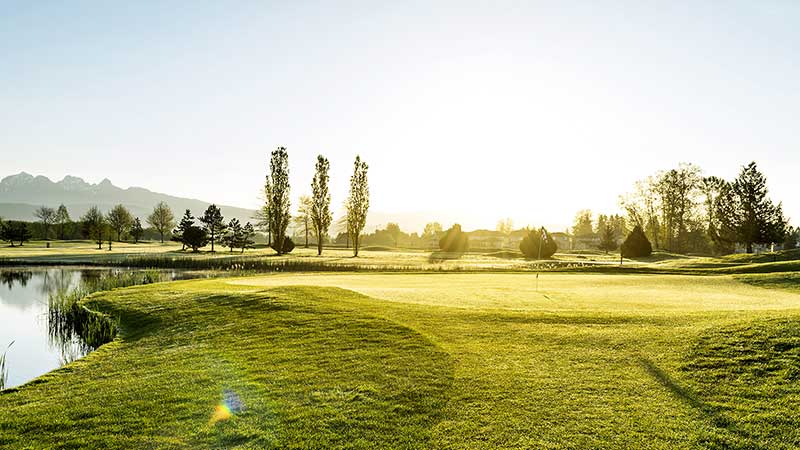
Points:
(37, 310)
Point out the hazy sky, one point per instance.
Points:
(468, 111)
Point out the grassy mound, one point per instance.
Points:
(298, 370)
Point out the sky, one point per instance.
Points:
(464, 111)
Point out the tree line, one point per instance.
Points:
(682, 211)
(314, 214)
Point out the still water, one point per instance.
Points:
(24, 296)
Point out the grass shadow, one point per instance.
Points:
(713, 414)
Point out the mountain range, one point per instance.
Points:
(22, 193)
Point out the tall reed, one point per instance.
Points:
(3, 368)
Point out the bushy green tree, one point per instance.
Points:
(120, 220)
(195, 237)
(454, 240)
(214, 224)
(288, 246)
(538, 244)
(15, 231)
(47, 217)
(161, 219)
(94, 225)
(636, 245)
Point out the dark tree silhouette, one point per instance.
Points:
(636, 245)
(288, 246)
(195, 237)
(538, 244)
(233, 236)
(186, 221)
(15, 231)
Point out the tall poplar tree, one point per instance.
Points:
(321, 215)
(358, 203)
(276, 192)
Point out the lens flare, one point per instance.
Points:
(230, 405)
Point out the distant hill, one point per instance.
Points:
(22, 193)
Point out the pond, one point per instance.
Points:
(39, 346)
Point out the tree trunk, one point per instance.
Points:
(355, 246)
(162, 236)
(306, 222)
(749, 247)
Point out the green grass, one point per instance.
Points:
(431, 361)
(384, 259)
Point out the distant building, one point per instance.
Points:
(486, 239)
(563, 240)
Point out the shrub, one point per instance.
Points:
(288, 245)
(636, 244)
(454, 240)
(531, 243)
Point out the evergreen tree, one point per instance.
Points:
(186, 222)
(747, 214)
(636, 245)
(213, 223)
(246, 241)
(358, 203)
(538, 244)
(321, 215)
(233, 236)
(195, 237)
(136, 230)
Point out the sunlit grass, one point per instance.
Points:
(422, 361)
